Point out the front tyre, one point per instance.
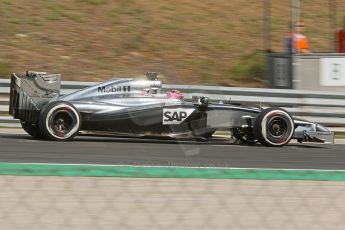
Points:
(60, 121)
(274, 127)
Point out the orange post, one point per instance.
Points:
(341, 40)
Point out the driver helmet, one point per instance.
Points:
(175, 94)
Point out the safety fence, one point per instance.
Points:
(122, 197)
(327, 108)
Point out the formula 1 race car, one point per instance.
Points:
(133, 107)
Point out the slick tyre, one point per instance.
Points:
(60, 121)
(274, 127)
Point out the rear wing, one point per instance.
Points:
(30, 92)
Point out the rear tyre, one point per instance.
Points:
(274, 127)
(32, 130)
(60, 121)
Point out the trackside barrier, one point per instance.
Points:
(327, 108)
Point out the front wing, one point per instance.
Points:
(306, 131)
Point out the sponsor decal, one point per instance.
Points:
(324, 133)
(175, 116)
(111, 96)
(332, 71)
(114, 89)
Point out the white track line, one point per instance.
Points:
(168, 166)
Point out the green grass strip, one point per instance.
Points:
(166, 172)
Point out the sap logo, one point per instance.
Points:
(113, 89)
(175, 116)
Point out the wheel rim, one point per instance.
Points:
(62, 122)
(277, 127)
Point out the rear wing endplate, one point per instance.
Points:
(30, 92)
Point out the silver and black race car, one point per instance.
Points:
(133, 107)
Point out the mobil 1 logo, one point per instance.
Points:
(175, 116)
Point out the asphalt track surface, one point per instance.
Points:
(21, 148)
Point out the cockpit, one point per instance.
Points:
(155, 86)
